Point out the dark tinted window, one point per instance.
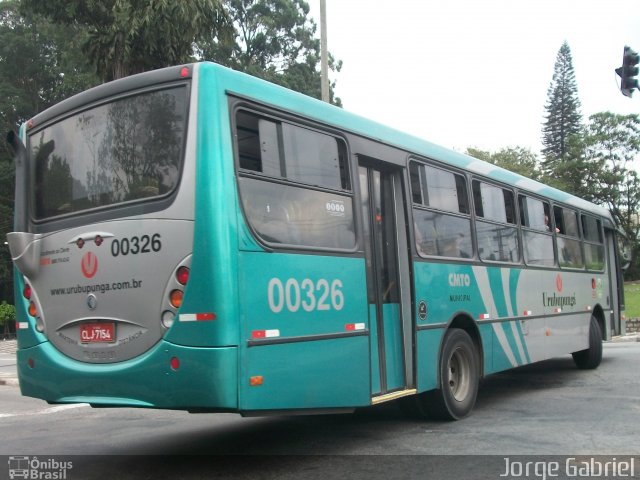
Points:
(537, 235)
(591, 229)
(290, 215)
(442, 235)
(442, 225)
(288, 151)
(493, 203)
(566, 221)
(437, 188)
(593, 243)
(534, 214)
(280, 204)
(126, 150)
(497, 237)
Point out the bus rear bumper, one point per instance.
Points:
(167, 376)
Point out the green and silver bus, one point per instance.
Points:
(195, 238)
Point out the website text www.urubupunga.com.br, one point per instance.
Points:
(98, 287)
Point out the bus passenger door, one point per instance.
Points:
(388, 282)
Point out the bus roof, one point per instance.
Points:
(282, 98)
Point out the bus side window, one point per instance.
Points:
(568, 239)
(441, 212)
(593, 242)
(294, 184)
(537, 236)
(496, 223)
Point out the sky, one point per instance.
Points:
(472, 73)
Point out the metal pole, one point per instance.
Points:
(324, 66)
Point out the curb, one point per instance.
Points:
(632, 337)
(9, 382)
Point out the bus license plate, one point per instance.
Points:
(97, 333)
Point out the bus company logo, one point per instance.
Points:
(89, 264)
(459, 280)
(35, 468)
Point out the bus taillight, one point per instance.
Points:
(26, 293)
(33, 310)
(176, 298)
(182, 275)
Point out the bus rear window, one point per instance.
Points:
(127, 150)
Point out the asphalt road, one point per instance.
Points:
(540, 410)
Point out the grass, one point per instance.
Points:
(632, 299)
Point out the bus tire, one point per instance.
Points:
(591, 357)
(459, 377)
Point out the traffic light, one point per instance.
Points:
(628, 71)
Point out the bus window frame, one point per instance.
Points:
(586, 242)
(141, 206)
(237, 105)
(550, 232)
(563, 236)
(516, 224)
(424, 162)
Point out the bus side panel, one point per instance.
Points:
(305, 325)
(428, 346)
(375, 350)
(205, 378)
(319, 374)
(211, 288)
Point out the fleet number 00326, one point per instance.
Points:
(307, 295)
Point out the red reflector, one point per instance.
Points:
(350, 327)
(31, 363)
(182, 275)
(259, 334)
(593, 283)
(256, 380)
(184, 72)
(175, 363)
(27, 292)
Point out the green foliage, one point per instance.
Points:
(516, 159)
(275, 40)
(132, 36)
(632, 299)
(562, 120)
(40, 64)
(7, 314)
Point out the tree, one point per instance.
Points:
(563, 121)
(7, 316)
(133, 36)
(274, 40)
(40, 64)
(516, 159)
(612, 145)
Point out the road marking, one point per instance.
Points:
(46, 411)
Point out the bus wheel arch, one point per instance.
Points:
(466, 323)
(590, 358)
(598, 312)
(459, 371)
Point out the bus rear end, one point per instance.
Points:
(103, 250)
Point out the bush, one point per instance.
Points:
(7, 315)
